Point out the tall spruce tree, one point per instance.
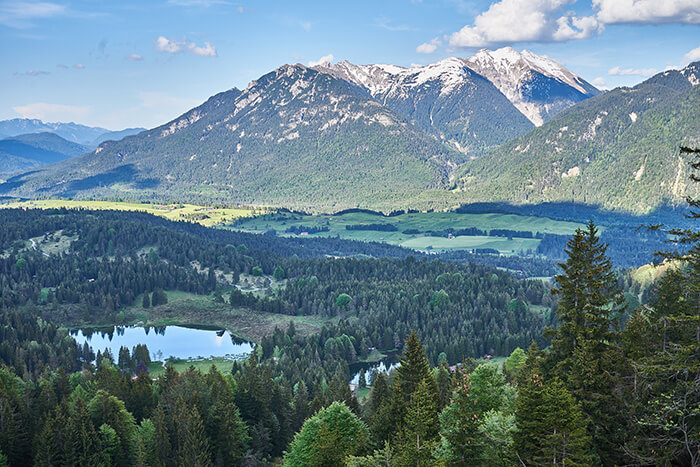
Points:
(420, 427)
(585, 353)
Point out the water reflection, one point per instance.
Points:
(167, 341)
(386, 365)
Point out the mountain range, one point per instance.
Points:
(84, 135)
(498, 126)
(32, 150)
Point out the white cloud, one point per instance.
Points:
(599, 81)
(429, 47)
(52, 112)
(305, 25)
(134, 58)
(79, 66)
(240, 9)
(617, 71)
(20, 14)
(165, 45)
(510, 21)
(325, 60)
(648, 11)
(693, 55)
(62, 65)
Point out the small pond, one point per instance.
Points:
(187, 343)
(386, 365)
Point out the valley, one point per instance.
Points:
(422, 231)
(295, 235)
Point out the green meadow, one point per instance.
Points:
(205, 215)
(412, 230)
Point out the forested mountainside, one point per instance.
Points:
(293, 137)
(31, 150)
(618, 150)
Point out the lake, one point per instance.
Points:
(386, 365)
(187, 343)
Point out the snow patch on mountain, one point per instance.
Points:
(528, 81)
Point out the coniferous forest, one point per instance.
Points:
(580, 377)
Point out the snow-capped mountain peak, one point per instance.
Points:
(382, 78)
(536, 84)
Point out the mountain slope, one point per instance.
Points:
(537, 85)
(446, 99)
(35, 149)
(618, 150)
(294, 137)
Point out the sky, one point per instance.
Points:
(141, 63)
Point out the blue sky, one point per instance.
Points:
(129, 63)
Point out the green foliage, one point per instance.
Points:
(159, 297)
(461, 440)
(279, 274)
(439, 299)
(327, 438)
(585, 354)
(343, 300)
(551, 428)
(256, 271)
(419, 430)
(664, 340)
(514, 364)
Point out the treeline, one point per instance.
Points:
(627, 246)
(525, 266)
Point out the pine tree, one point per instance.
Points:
(585, 353)
(551, 425)
(194, 446)
(420, 428)
(162, 448)
(461, 440)
(85, 442)
(414, 367)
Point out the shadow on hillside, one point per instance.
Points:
(578, 212)
(126, 174)
(15, 182)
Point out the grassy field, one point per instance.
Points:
(204, 215)
(185, 308)
(501, 244)
(422, 223)
(224, 365)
